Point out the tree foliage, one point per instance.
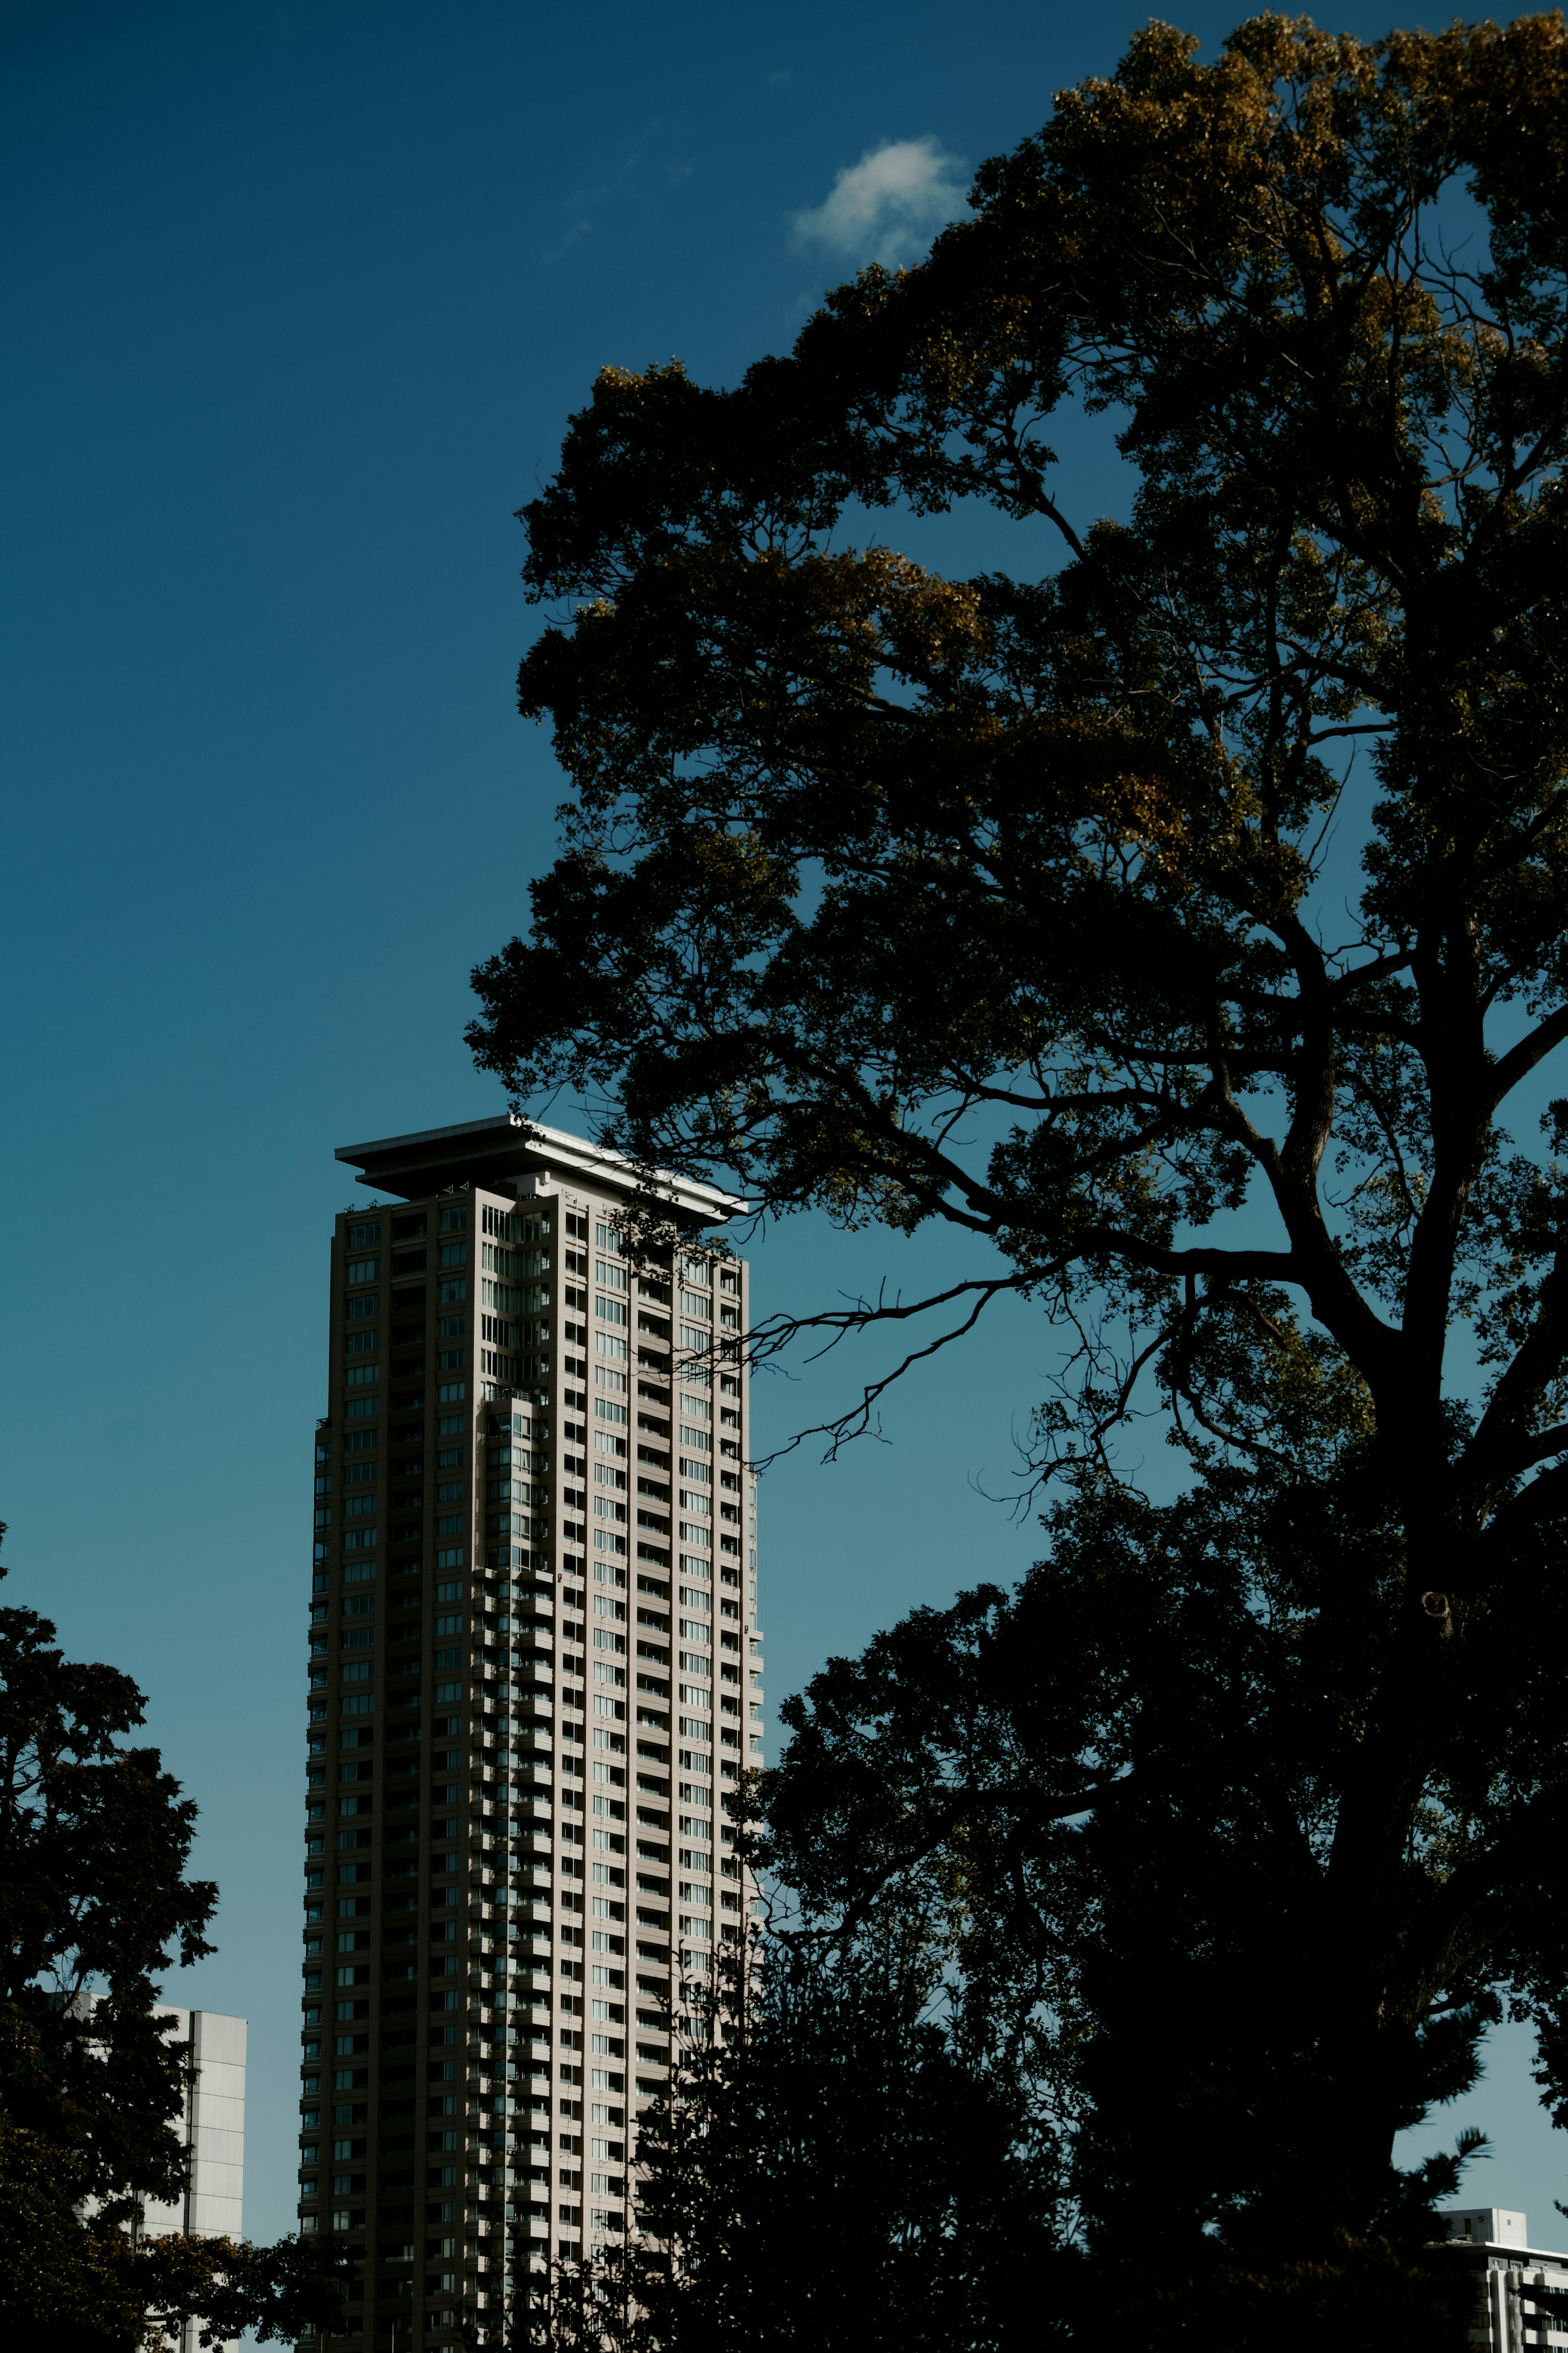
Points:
(1108, 1798)
(94, 1840)
(1210, 867)
(828, 2169)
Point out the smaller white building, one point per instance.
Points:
(214, 2130)
(1512, 2317)
(214, 2133)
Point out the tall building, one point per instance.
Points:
(535, 1670)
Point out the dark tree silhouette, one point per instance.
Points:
(94, 1841)
(1179, 915)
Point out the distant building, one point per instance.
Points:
(1513, 2315)
(213, 2129)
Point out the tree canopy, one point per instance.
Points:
(95, 1838)
(828, 2166)
(1209, 865)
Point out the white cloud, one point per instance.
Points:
(888, 206)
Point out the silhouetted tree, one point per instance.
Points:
(1025, 904)
(833, 2169)
(94, 1841)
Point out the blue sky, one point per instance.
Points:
(298, 301)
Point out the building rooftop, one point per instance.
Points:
(1499, 2230)
(506, 1153)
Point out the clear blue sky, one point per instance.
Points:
(298, 298)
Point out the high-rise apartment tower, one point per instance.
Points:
(535, 1671)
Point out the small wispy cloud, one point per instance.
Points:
(640, 176)
(888, 206)
(579, 229)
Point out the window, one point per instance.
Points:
(449, 1490)
(577, 1227)
(357, 1474)
(454, 1221)
(452, 1625)
(366, 1237)
(368, 1305)
(356, 1442)
(610, 1278)
(447, 1457)
(404, 1230)
(362, 1269)
(453, 1288)
(608, 1238)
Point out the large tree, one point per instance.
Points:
(835, 2169)
(1178, 913)
(829, 2168)
(95, 1838)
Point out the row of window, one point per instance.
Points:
(512, 1226)
(361, 1305)
(356, 1474)
(365, 1234)
(368, 1441)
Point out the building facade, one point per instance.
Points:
(1521, 2291)
(535, 1671)
(213, 2129)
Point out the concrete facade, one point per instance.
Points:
(1511, 2317)
(534, 1672)
(213, 2206)
(213, 2134)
